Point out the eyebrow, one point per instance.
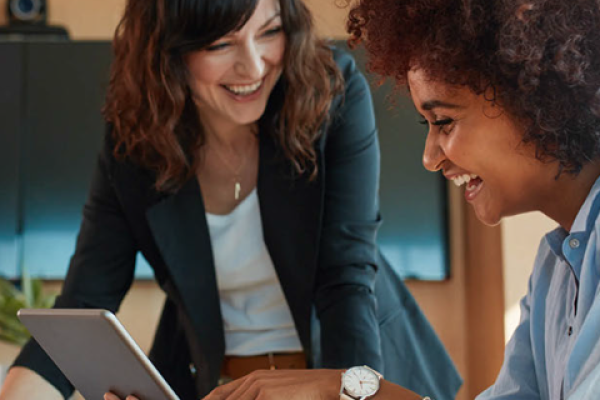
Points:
(432, 104)
(278, 14)
(263, 26)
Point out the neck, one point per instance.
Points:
(569, 194)
(225, 133)
(231, 136)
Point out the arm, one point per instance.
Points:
(100, 273)
(23, 383)
(298, 385)
(344, 298)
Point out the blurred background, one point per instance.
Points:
(468, 278)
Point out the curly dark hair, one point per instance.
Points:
(538, 59)
(153, 118)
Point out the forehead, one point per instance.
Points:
(423, 88)
(265, 10)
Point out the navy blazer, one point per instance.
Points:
(320, 235)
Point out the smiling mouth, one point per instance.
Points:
(471, 180)
(244, 90)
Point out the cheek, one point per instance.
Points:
(275, 52)
(204, 72)
(457, 150)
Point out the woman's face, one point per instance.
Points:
(232, 79)
(477, 145)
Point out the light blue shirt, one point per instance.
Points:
(557, 343)
(588, 389)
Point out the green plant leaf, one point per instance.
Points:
(26, 287)
(8, 290)
(18, 340)
(13, 299)
(36, 292)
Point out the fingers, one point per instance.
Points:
(111, 396)
(280, 384)
(225, 391)
(264, 384)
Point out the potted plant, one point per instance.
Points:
(30, 294)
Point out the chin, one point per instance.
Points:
(248, 113)
(488, 217)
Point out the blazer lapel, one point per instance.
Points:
(291, 216)
(178, 224)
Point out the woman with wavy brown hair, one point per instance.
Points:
(509, 91)
(242, 161)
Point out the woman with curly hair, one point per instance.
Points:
(509, 91)
(242, 161)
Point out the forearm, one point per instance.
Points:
(22, 383)
(350, 330)
(390, 391)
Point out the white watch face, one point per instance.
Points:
(360, 381)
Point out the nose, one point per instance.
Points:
(433, 154)
(250, 63)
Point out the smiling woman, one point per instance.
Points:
(510, 91)
(210, 50)
(474, 142)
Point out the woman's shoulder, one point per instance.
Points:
(344, 60)
(352, 117)
(356, 88)
(114, 160)
(347, 65)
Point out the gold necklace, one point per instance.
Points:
(237, 187)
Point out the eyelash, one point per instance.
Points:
(221, 46)
(441, 124)
(273, 31)
(217, 47)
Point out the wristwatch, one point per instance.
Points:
(359, 383)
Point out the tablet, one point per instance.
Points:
(96, 353)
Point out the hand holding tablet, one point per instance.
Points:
(96, 353)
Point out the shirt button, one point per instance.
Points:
(574, 243)
(570, 331)
(193, 369)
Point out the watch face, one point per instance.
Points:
(360, 381)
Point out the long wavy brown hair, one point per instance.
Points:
(149, 107)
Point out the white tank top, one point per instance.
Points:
(256, 316)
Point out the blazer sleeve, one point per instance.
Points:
(101, 269)
(344, 298)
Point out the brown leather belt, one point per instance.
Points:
(235, 367)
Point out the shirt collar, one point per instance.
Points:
(586, 217)
(583, 224)
(555, 240)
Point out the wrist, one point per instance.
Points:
(360, 382)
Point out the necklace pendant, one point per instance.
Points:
(238, 189)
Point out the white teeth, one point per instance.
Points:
(459, 180)
(244, 90)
